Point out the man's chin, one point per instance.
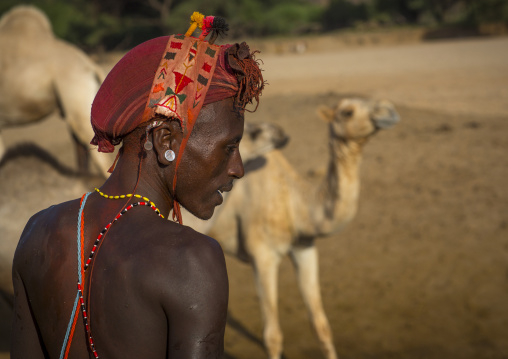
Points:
(205, 217)
(202, 213)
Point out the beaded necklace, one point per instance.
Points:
(83, 266)
(129, 196)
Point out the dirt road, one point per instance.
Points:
(466, 77)
(422, 272)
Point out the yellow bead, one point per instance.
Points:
(146, 199)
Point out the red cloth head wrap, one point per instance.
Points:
(121, 99)
(119, 105)
(237, 74)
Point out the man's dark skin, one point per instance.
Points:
(159, 289)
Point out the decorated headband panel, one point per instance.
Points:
(182, 79)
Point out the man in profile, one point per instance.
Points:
(146, 287)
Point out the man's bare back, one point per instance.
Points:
(167, 268)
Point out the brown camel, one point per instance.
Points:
(274, 212)
(42, 75)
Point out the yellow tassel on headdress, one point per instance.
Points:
(196, 21)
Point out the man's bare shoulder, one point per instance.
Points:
(183, 245)
(41, 236)
(183, 272)
(177, 256)
(44, 222)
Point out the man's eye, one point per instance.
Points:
(231, 148)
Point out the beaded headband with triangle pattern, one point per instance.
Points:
(183, 78)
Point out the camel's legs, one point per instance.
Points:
(2, 147)
(75, 102)
(84, 152)
(81, 155)
(306, 263)
(266, 265)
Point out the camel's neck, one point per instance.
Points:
(338, 194)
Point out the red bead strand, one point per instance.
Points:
(89, 260)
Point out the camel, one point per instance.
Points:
(42, 75)
(274, 212)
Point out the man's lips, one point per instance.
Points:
(226, 188)
(223, 189)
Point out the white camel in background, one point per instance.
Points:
(42, 75)
(273, 212)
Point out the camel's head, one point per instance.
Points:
(356, 118)
(26, 21)
(260, 138)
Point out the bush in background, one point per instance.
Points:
(97, 25)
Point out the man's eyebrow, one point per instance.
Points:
(237, 139)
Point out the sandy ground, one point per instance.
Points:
(422, 272)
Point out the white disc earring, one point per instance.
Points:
(169, 155)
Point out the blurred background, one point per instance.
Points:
(422, 271)
(105, 25)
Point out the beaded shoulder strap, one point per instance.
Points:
(82, 267)
(74, 315)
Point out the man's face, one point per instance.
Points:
(211, 159)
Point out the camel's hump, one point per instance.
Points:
(25, 20)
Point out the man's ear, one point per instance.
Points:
(167, 136)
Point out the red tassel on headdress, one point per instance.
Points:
(207, 27)
(216, 25)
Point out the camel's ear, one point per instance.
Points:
(326, 113)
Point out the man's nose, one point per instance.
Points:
(236, 169)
